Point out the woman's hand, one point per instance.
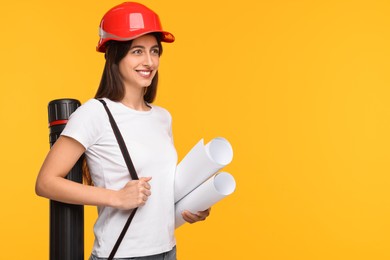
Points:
(134, 194)
(199, 216)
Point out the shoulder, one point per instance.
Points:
(90, 113)
(161, 111)
(91, 105)
(87, 123)
(89, 108)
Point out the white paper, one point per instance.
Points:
(207, 194)
(200, 164)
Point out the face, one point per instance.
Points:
(140, 64)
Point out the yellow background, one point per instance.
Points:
(299, 88)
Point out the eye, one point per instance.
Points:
(137, 51)
(155, 51)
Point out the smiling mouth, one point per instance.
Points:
(144, 73)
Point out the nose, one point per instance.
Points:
(148, 60)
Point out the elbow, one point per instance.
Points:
(40, 188)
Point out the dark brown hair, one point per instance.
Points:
(111, 85)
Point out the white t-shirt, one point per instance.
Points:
(148, 137)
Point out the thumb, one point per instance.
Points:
(145, 178)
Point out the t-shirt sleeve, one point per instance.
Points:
(85, 125)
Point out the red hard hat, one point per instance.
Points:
(128, 21)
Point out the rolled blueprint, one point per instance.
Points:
(200, 164)
(207, 194)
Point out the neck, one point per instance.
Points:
(135, 100)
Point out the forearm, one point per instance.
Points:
(64, 190)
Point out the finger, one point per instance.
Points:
(143, 189)
(142, 200)
(190, 217)
(203, 214)
(144, 181)
(147, 186)
(147, 192)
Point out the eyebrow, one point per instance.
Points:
(143, 47)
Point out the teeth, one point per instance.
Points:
(145, 73)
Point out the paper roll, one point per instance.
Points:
(203, 197)
(200, 163)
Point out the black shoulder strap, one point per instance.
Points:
(121, 142)
(132, 171)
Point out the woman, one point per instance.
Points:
(130, 37)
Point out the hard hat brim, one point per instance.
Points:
(165, 37)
